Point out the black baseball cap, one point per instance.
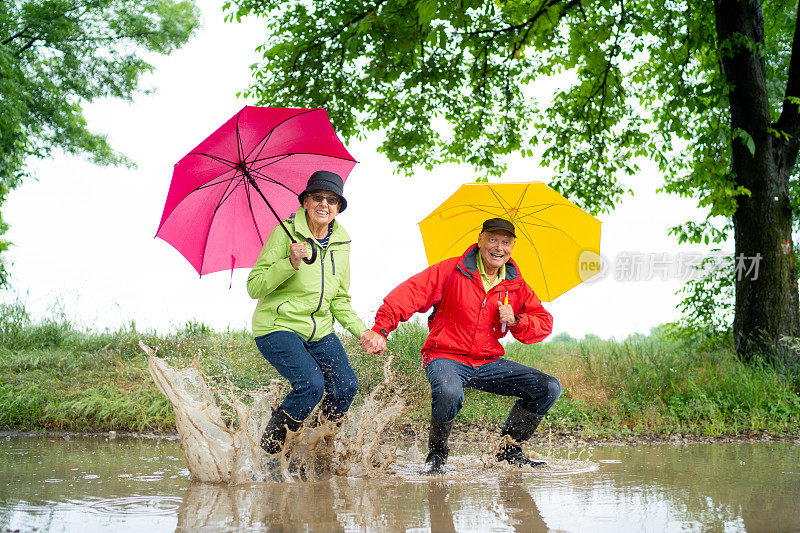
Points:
(501, 224)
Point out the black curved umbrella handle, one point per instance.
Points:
(309, 260)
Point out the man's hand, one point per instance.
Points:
(372, 342)
(506, 314)
(297, 251)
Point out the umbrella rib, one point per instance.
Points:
(276, 159)
(287, 154)
(484, 209)
(500, 201)
(268, 179)
(215, 183)
(227, 193)
(544, 207)
(470, 208)
(198, 188)
(263, 142)
(524, 231)
(222, 198)
(239, 147)
(216, 158)
(521, 197)
(456, 241)
(547, 225)
(252, 214)
(556, 228)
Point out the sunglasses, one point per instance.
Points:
(332, 200)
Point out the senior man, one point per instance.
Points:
(476, 299)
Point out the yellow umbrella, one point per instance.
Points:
(558, 243)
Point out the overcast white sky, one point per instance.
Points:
(83, 234)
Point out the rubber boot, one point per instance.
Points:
(519, 425)
(437, 447)
(324, 417)
(275, 433)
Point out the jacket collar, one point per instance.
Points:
(301, 227)
(469, 264)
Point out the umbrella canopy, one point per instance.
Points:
(554, 236)
(235, 186)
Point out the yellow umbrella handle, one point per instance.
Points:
(505, 302)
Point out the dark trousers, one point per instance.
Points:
(313, 369)
(448, 378)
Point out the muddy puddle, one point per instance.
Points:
(360, 476)
(90, 484)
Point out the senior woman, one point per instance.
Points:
(297, 302)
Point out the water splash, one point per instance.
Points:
(221, 426)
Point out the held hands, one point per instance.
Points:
(297, 251)
(506, 314)
(372, 342)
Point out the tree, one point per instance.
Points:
(709, 91)
(58, 55)
(562, 338)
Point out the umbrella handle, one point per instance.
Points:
(503, 328)
(309, 260)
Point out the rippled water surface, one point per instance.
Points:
(95, 484)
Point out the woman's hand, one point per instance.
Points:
(372, 342)
(297, 251)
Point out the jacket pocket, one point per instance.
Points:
(278, 309)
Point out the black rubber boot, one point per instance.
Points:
(437, 447)
(275, 433)
(324, 417)
(519, 425)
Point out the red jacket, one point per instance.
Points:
(465, 324)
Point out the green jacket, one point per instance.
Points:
(305, 300)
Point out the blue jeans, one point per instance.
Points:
(313, 369)
(537, 390)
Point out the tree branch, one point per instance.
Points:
(323, 39)
(17, 35)
(789, 121)
(528, 23)
(31, 41)
(740, 33)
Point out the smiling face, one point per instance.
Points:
(495, 249)
(321, 207)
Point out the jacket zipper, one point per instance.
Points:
(333, 265)
(321, 293)
(322, 288)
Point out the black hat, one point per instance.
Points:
(494, 224)
(323, 180)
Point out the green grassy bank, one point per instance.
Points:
(56, 377)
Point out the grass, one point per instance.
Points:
(54, 376)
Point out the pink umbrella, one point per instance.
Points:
(212, 216)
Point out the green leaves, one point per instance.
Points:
(426, 9)
(745, 139)
(595, 86)
(57, 55)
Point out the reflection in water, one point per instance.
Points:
(522, 510)
(441, 513)
(92, 485)
(272, 506)
(342, 504)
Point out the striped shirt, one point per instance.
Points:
(324, 241)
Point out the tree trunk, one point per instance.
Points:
(766, 270)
